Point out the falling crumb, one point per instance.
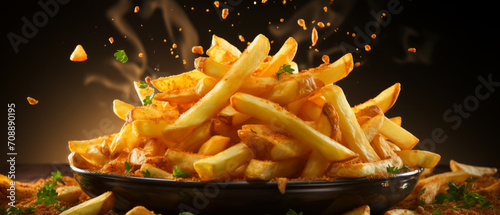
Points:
(321, 24)
(353, 35)
(302, 23)
(357, 64)
(368, 48)
(316, 50)
(325, 8)
(328, 24)
(412, 50)
(325, 59)
(374, 36)
(174, 45)
(164, 40)
(284, 2)
(242, 39)
(148, 80)
(225, 13)
(136, 9)
(314, 36)
(176, 56)
(111, 40)
(197, 50)
(78, 54)
(264, 1)
(141, 54)
(32, 101)
(207, 10)
(216, 3)
(282, 20)
(180, 29)
(281, 184)
(192, 8)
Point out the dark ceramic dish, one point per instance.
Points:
(241, 197)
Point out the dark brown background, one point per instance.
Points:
(454, 45)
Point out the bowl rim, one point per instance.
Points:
(195, 183)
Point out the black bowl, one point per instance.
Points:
(242, 197)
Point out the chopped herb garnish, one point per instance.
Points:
(292, 212)
(57, 177)
(127, 167)
(121, 56)
(436, 212)
(455, 193)
(143, 85)
(146, 173)
(285, 68)
(46, 195)
(148, 99)
(178, 173)
(395, 169)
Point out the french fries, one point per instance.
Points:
(234, 117)
(99, 205)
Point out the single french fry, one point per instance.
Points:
(295, 88)
(401, 212)
(382, 147)
(126, 139)
(363, 210)
(176, 82)
(142, 93)
(359, 170)
(351, 130)
(398, 135)
(183, 160)
(214, 145)
(223, 129)
(232, 117)
(221, 165)
(372, 126)
(331, 73)
(222, 51)
(77, 160)
(268, 111)
(267, 170)
(310, 111)
(284, 56)
(316, 166)
(150, 128)
(196, 138)
(143, 113)
(219, 96)
(333, 117)
(210, 67)
(99, 205)
(155, 172)
(121, 108)
(81, 146)
(95, 154)
(397, 120)
(477, 171)
(140, 210)
(432, 185)
(69, 193)
(385, 100)
(419, 158)
(323, 125)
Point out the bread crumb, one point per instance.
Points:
(78, 54)
(180, 29)
(328, 24)
(282, 20)
(174, 45)
(321, 24)
(264, 1)
(302, 23)
(314, 36)
(225, 13)
(136, 9)
(32, 101)
(325, 59)
(357, 64)
(216, 3)
(281, 184)
(374, 36)
(184, 62)
(368, 48)
(197, 50)
(325, 8)
(412, 50)
(176, 56)
(242, 39)
(141, 54)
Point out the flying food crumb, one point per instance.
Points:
(141, 54)
(148, 80)
(111, 40)
(302, 23)
(325, 8)
(78, 54)
(374, 36)
(164, 40)
(314, 36)
(353, 34)
(325, 59)
(264, 1)
(136, 9)
(281, 184)
(216, 3)
(242, 39)
(207, 10)
(176, 56)
(197, 50)
(412, 50)
(192, 8)
(284, 2)
(328, 24)
(368, 48)
(225, 13)
(357, 64)
(184, 62)
(32, 101)
(174, 45)
(282, 20)
(180, 29)
(321, 24)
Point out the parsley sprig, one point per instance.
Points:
(285, 68)
(395, 169)
(47, 194)
(127, 167)
(121, 56)
(455, 193)
(146, 173)
(178, 173)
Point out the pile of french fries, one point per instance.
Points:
(234, 117)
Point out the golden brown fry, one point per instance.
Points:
(268, 111)
(398, 135)
(99, 205)
(232, 117)
(433, 185)
(351, 130)
(382, 147)
(81, 146)
(121, 108)
(140, 210)
(69, 193)
(385, 100)
(222, 51)
(284, 56)
(267, 170)
(477, 171)
(401, 212)
(183, 160)
(331, 73)
(363, 210)
(219, 96)
(214, 145)
(419, 158)
(316, 166)
(358, 170)
(295, 88)
(176, 82)
(156, 172)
